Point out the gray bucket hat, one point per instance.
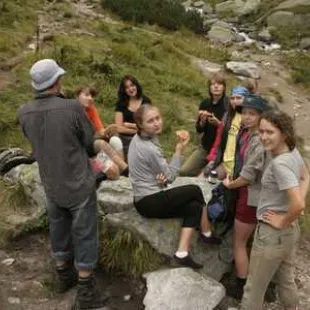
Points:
(44, 73)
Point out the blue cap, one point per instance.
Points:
(254, 102)
(240, 90)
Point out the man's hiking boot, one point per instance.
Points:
(210, 240)
(66, 277)
(187, 261)
(88, 295)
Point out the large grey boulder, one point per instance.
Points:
(305, 43)
(265, 35)
(247, 69)
(163, 236)
(28, 177)
(207, 67)
(181, 289)
(115, 196)
(286, 18)
(222, 33)
(207, 9)
(198, 4)
(237, 7)
(299, 6)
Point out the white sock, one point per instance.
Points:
(181, 254)
(207, 234)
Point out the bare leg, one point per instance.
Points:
(205, 225)
(119, 161)
(113, 172)
(101, 145)
(242, 233)
(185, 239)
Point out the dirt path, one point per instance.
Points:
(275, 76)
(27, 283)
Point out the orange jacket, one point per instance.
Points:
(94, 117)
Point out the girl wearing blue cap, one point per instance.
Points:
(222, 154)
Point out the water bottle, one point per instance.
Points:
(212, 177)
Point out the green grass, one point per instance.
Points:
(299, 63)
(290, 36)
(160, 63)
(18, 22)
(123, 252)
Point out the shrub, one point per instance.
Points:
(169, 14)
(299, 63)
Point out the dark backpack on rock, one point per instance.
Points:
(221, 209)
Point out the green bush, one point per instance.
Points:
(299, 63)
(169, 14)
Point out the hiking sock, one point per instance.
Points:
(207, 234)
(181, 254)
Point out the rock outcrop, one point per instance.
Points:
(222, 33)
(115, 201)
(181, 289)
(247, 69)
(237, 7)
(163, 235)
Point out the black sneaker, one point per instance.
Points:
(187, 261)
(210, 240)
(235, 289)
(88, 295)
(66, 277)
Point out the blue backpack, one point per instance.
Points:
(221, 209)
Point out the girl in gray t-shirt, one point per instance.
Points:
(285, 183)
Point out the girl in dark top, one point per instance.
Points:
(211, 112)
(130, 98)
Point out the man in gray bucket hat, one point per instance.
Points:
(62, 141)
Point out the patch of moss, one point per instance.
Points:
(121, 251)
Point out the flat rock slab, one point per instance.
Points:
(163, 236)
(247, 69)
(181, 289)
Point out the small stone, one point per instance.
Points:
(32, 46)
(8, 261)
(127, 297)
(14, 300)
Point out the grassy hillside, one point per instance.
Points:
(161, 63)
(18, 21)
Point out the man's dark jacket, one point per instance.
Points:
(61, 137)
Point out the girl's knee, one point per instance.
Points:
(116, 143)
